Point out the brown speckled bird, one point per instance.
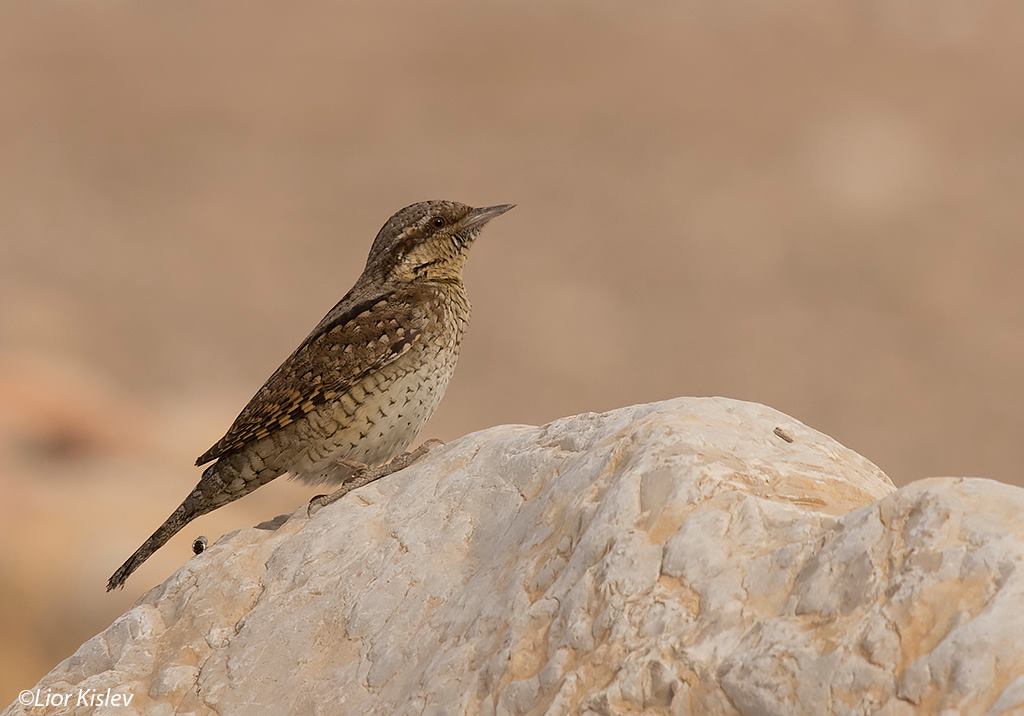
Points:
(358, 389)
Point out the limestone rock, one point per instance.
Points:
(695, 556)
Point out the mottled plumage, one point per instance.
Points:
(337, 356)
(360, 386)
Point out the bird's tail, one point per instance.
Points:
(197, 503)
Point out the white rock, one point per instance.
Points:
(681, 557)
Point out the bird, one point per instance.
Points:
(346, 404)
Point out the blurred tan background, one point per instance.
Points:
(812, 205)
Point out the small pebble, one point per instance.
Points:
(783, 434)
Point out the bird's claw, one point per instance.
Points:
(317, 502)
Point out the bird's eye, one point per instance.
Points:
(437, 222)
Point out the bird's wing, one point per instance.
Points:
(350, 342)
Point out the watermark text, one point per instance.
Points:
(48, 698)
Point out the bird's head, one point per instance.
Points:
(428, 241)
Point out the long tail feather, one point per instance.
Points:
(193, 506)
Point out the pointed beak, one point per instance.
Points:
(476, 218)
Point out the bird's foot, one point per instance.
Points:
(365, 474)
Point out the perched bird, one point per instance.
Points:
(357, 390)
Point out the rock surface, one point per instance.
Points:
(695, 556)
